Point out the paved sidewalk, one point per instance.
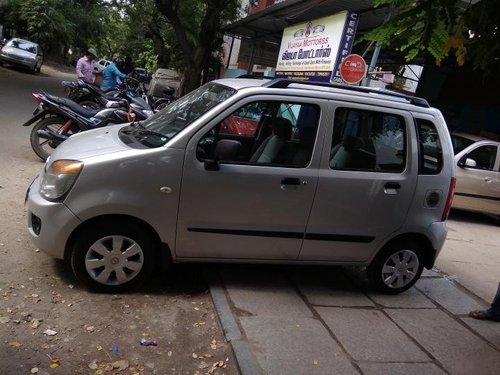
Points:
(325, 320)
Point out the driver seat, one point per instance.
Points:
(272, 145)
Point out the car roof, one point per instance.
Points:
(362, 92)
(472, 137)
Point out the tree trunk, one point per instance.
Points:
(153, 32)
(196, 53)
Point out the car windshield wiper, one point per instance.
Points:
(138, 124)
(141, 130)
(150, 132)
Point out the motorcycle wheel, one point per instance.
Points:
(44, 147)
(160, 104)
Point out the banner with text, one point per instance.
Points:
(313, 50)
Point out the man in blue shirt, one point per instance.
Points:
(109, 76)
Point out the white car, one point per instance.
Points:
(102, 64)
(22, 53)
(478, 173)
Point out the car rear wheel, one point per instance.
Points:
(112, 257)
(397, 267)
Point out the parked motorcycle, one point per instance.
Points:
(138, 87)
(59, 118)
(91, 96)
(87, 94)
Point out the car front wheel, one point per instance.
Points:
(112, 257)
(397, 267)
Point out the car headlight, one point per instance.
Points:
(58, 178)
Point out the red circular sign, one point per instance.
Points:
(353, 68)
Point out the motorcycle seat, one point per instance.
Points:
(75, 107)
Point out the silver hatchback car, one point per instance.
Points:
(22, 53)
(321, 174)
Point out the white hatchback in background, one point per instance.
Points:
(101, 64)
(22, 53)
(322, 174)
(478, 173)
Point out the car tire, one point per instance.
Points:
(113, 257)
(397, 267)
(44, 147)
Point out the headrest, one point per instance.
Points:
(282, 128)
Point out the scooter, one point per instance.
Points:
(59, 118)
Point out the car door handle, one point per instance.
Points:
(392, 185)
(290, 181)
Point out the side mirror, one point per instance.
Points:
(467, 162)
(225, 149)
(471, 163)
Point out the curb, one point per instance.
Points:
(245, 359)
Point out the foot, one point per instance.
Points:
(484, 315)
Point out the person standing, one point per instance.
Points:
(493, 313)
(85, 66)
(109, 76)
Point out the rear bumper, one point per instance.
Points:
(437, 233)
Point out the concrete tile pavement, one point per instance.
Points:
(326, 320)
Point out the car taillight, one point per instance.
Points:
(449, 200)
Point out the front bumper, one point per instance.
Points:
(18, 61)
(49, 223)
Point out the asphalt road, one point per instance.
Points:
(88, 333)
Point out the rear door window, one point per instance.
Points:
(366, 140)
(430, 151)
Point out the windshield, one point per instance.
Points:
(178, 115)
(21, 44)
(460, 143)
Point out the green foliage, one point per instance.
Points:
(441, 27)
(55, 24)
(45, 21)
(147, 59)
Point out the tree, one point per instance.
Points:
(469, 31)
(197, 27)
(55, 24)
